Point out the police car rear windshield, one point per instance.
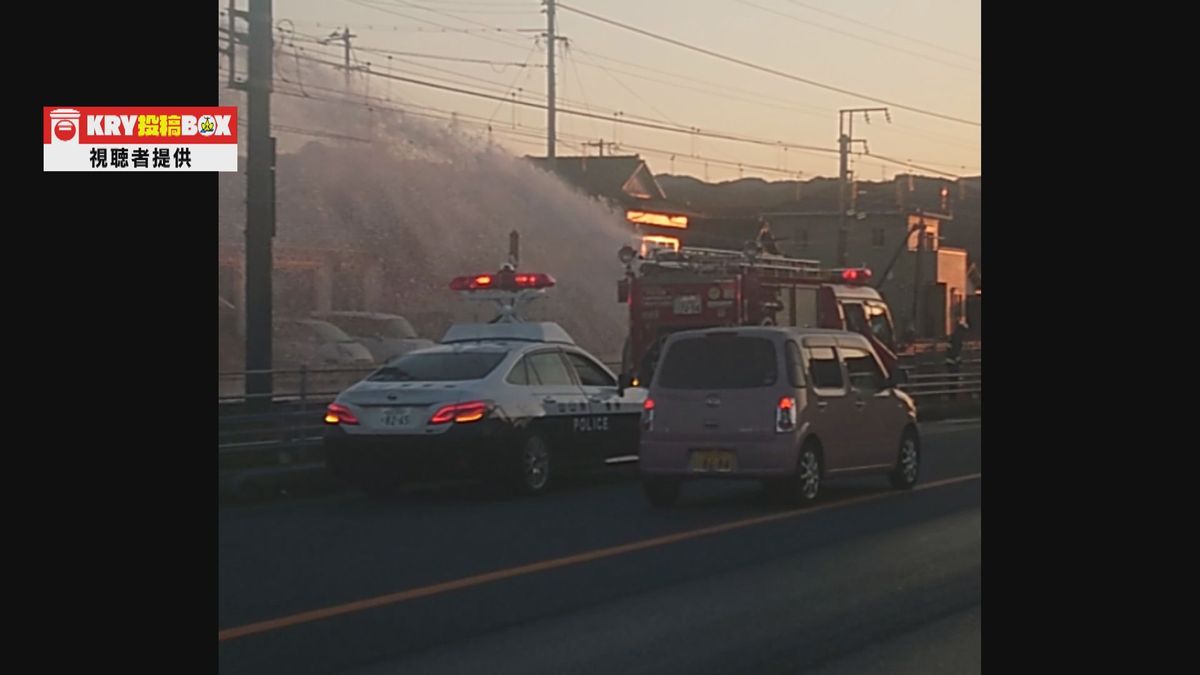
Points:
(719, 362)
(439, 367)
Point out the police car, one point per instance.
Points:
(509, 400)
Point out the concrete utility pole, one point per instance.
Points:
(344, 37)
(845, 140)
(550, 84)
(260, 202)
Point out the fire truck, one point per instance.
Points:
(672, 288)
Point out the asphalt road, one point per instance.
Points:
(590, 579)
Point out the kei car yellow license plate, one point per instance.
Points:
(713, 460)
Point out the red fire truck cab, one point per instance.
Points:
(673, 290)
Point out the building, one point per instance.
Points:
(924, 282)
(626, 183)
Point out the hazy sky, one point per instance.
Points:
(919, 53)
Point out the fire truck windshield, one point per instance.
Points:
(881, 324)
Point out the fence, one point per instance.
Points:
(285, 425)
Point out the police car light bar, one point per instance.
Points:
(503, 282)
(858, 275)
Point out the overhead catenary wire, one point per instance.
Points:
(766, 69)
(877, 43)
(582, 113)
(921, 41)
(486, 27)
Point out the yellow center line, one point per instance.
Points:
(578, 558)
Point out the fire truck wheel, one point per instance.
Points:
(662, 492)
(908, 463)
(804, 486)
(530, 471)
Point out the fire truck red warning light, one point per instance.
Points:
(504, 282)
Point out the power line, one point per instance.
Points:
(766, 100)
(717, 90)
(589, 107)
(631, 122)
(537, 134)
(316, 133)
(487, 85)
(479, 35)
(580, 113)
(882, 30)
(590, 114)
(877, 43)
(765, 69)
(448, 15)
(913, 166)
(479, 122)
(444, 57)
(723, 89)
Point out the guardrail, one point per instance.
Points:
(291, 420)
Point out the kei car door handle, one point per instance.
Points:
(860, 404)
(822, 404)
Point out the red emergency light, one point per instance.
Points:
(856, 276)
(504, 281)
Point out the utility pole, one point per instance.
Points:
(260, 202)
(598, 144)
(232, 13)
(551, 111)
(845, 140)
(344, 36)
(916, 308)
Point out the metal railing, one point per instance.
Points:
(293, 418)
(290, 385)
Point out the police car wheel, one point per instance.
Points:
(908, 462)
(533, 463)
(661, 492)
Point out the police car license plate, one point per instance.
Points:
(688, 304)
(396, 418)
(713, 460)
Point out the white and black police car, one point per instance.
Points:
(510, 401)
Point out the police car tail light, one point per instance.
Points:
(461, 413)
(337, 413)
(648, 414)
(785, 414)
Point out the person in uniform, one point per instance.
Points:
(767, 240)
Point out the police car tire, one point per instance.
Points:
(519, 477)
(661, 492)
(900, 479)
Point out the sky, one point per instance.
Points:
(921, 54)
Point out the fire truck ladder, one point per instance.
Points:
(773, 265)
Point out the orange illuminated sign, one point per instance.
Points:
(659, 219)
